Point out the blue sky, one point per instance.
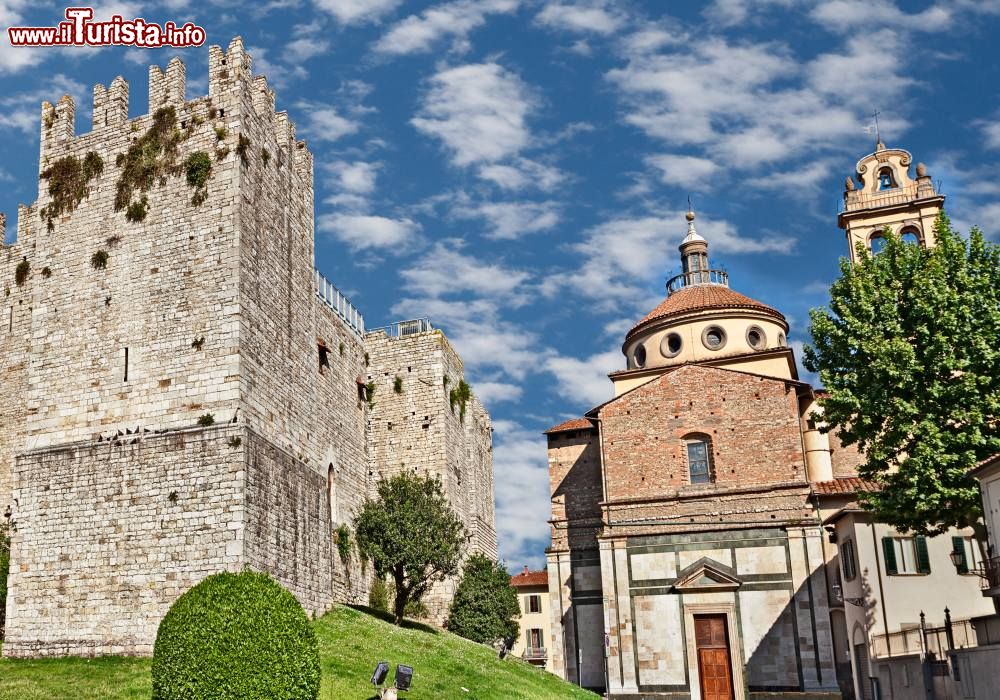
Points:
(517, 170)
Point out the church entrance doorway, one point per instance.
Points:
(714, 668)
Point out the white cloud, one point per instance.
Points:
(357, 11)
(305, 48)
(522, 174)
(324, 122)
(279, 74)
(419, 33)
(684, 171)
(622, 256)
(365, 231)
(729, 13)
(511, 220)
(491, 393)
(585, 381)
(850, 15)
(751, 105)
(445, 270)
(521, 488)
(356, 177)
(22, 112)
(479, 111)
(582, 17)
(466, 296)
(992, 133)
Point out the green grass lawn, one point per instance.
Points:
(351, 643)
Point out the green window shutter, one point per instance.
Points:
(890, 556)
(958, 545)
(923, 559)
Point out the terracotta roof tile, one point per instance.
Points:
(845, 486)
(573, 424)
(696, 298)
(530, 578)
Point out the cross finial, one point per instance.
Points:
(878, 135)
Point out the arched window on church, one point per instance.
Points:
(885, 179)
(699, 458)
(331, 493)
(876, 243)
(910, 235)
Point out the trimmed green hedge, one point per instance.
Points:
(236, 636)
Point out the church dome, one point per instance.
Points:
(702, 319)
(688, 300)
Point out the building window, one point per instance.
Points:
(713, 338)
(910, 235)
(885, 179)
(535, 639)
(849, 560)
(699, 461)
(876, 243)
(534, 604)
(639, 356)
(756, 338)
(972, 558)
(671, 345)
(906, 555)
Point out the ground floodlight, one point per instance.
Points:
(381, 671)
(404, 676)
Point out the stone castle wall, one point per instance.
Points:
(416, 429)
(15, 327)
(200, 309)
(110, 533)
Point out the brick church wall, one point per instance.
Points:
(752, 422)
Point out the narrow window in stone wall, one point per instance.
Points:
(126, 364)
(699, 458)
(324, 358)
(331, 493)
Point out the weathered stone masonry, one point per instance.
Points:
(122, 497)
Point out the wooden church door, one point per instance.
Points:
(714, 668)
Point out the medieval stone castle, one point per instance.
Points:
(182, 391)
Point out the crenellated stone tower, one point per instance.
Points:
(182, 392)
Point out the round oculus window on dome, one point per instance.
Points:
(639, 355)
(713, 338)
(671, 345)
(781, 339)
(756, 338)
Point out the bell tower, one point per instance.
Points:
(881, 194)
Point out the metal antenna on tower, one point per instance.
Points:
(875, 128)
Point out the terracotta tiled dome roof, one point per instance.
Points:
(699, 297)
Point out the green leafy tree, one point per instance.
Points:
(485, 606)
(411, 534)
(909, 351)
